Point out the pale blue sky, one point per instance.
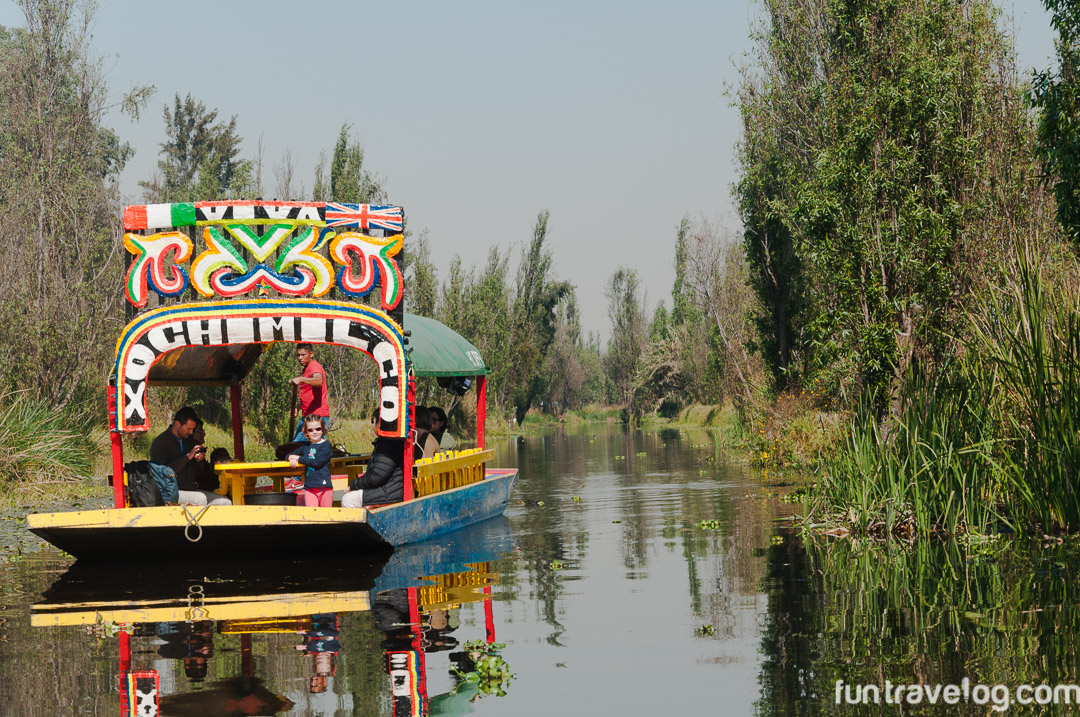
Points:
(612, 115)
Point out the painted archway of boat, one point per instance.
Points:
(217, 343)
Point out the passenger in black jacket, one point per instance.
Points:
(176, 449)
(383, 481)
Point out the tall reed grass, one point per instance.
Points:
(1033, 339)
(932, 469)
(991, 439)
(41, 444)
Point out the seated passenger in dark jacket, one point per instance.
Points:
(383, 481)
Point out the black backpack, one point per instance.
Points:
(142, 489)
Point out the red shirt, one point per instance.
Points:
(313, 398)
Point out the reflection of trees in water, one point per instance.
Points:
(932, 614)
(695, 484)
(787, 683)
(552, 539)
(37, 675)
(660, 497)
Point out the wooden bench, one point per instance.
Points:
(451, 469)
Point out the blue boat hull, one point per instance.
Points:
(432, 515)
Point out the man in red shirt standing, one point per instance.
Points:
(311, 387)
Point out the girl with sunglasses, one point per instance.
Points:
(318, 488)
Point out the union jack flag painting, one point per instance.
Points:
(365, 216)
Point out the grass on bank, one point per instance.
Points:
(539, 420)
(46, 453)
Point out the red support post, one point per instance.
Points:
(489, 616)
(237, 423)
(125, 666)
(417, 621)
(116, 443)
(247, 657)
(407, 466)
(481, 409)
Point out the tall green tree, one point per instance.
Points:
(565, 373)
(885, 169)
(476, 304)
(60, 279)
(537, 294)
(627, 345)
(348, 180)
(200, 157)
(688, 352)
(423, 277)
(1056, 97)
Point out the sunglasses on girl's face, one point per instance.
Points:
(312, 430)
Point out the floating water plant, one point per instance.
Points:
(491, 673)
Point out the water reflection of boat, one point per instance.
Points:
(180, 612)
(177, 341)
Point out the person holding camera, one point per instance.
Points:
(177, 449)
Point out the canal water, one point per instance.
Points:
(635, 573)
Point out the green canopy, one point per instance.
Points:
(437, 350)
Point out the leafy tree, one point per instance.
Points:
(565, 373)
(701, 351)
(776, 275)
(660, 326)
(690, 354)
(61, 274)
(628, 331)
(659, 377)
(884, 144)
(536, 296)
(597, 387)
(476, 305)
(1056, 96)
(348, 181)
(200, 156)
(423, 277)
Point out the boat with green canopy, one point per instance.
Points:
(210, 286)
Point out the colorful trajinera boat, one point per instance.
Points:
(262, 273)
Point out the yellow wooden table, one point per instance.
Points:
(240, 477)
(344, 468)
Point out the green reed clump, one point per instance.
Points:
(40, 443)
(1033, 340)
(932, 469)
